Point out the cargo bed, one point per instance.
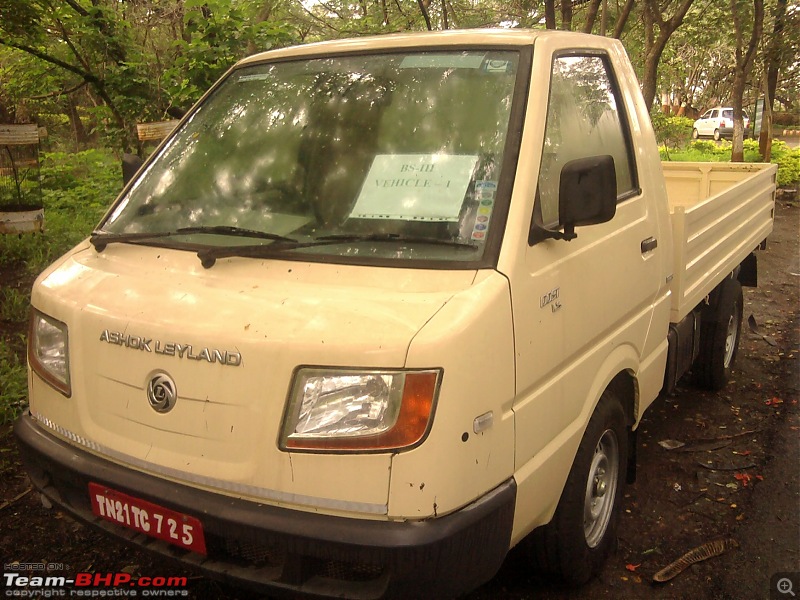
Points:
(711, 204)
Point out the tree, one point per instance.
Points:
(744, 63)
(135, 59)
(656, 42)
(773, 59)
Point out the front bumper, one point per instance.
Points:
(282, 550)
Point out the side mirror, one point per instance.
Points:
(130, 165)
(587, 195)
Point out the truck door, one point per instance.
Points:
(583, 307)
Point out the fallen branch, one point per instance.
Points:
(730, 437)
(15, 498)
(742, 468)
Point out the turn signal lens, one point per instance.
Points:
(357, 411)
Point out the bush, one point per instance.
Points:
(671, 131)
(14, 375)
(76, 190)
(788, 161)
(786, 119)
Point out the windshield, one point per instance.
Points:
(391, 156)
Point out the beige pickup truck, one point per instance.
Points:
(379, 310)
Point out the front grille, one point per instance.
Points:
(253, 553)
(347, 571)
(250, 553)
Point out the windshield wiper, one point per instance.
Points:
(100, 239)
(209, 256)
(234, 231)
(391, 237)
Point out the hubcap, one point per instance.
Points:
(601, 488)
(730, 340)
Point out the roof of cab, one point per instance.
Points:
(489, 37)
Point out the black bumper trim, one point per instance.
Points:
(435, 558)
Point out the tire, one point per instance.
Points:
(717, 136)
(583, 532)
(695, 134)
(720, 331)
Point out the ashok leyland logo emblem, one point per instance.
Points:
(161, 392)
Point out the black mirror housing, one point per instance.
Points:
(587, 195)
(587, 192)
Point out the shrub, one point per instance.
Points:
(76, 191)
(671, 131)
(788, 161)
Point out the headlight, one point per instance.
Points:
(357, 410)
(48, 351)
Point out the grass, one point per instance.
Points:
(77, 189)
(787, 159)
(14, 376)
(14, 304)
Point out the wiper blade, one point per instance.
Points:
(209, 256)
(234, 231)
(393, 237)
(101, 239)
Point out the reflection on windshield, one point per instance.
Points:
(401, 144)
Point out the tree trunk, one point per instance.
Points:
(622, 19)
(744, 64)
(591, 16)
(655, 44)
(550, 14)
(566, 15)
(81, 137)
(773, 67)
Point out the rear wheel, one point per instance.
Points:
(717, 135)
(574, 545)
(695, 134)
(720, 332)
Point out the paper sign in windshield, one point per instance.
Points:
(415, 187)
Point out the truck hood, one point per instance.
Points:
(231, 338)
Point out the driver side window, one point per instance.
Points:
(584, 118)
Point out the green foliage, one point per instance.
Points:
(787, 159)
(77, 189)
(216, 34)
(14, 375)
(13, 305)
(671, 131)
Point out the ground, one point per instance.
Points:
(735, 477)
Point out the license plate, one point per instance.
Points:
(147, 518)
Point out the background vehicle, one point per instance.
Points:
(718, 123)
(380, 309)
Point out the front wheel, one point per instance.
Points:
(576, 543)
(695, 134)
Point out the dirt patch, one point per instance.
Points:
(734, 476)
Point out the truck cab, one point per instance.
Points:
(377, 311)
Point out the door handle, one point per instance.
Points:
(649, 244)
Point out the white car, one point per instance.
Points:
(717, 123)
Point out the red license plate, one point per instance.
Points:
(148, 518)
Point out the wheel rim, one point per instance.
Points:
(601, 488)
(730, 339)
